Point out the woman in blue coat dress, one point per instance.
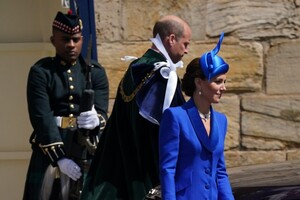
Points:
(191, 137)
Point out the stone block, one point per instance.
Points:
(107, 20)
(241, 158)
(253, 20)
(137, 23)
(258, 143)
(293, 154)
(110, 55)
(282, 68)
(264, 126)
(230, 106)
(280, 106)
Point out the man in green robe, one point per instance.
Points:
(125, 165)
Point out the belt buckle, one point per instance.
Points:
(68, 122)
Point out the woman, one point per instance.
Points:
(191, 140)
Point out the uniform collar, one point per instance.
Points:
(63, 62)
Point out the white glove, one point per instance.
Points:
(88, 120)
(70, 168)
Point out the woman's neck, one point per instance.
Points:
(202, 105)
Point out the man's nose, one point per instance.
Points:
(71, 43)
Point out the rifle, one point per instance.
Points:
(84, 137)
(86, 104)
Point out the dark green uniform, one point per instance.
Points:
(55, 89)
(125, 165)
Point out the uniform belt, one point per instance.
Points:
(66, 122)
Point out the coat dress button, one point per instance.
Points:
(207, 186)
(207, 170)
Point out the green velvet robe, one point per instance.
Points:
(125, 165)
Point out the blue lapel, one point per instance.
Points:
(211, 142)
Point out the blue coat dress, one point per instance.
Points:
(192, 164)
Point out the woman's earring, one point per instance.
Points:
(200, 92)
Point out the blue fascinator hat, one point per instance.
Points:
(212, 64)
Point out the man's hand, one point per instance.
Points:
(88, 120)
(70, 168)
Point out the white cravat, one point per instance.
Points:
(169, 74)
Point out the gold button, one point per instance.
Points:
(70, 78)
(69, 71)
(71, 97)
(72, 106)
(71, 115)
(71, 87)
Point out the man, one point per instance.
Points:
(63, 138)
(125, 165)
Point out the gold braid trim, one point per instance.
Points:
(128, 98)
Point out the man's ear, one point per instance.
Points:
(172, 39)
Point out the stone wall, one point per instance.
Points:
(261, 45)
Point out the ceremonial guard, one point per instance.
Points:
(65, 133)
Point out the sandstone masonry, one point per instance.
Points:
(261, 45)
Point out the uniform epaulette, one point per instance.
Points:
(44, 61)
(96, 64)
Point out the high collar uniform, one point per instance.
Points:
(192, 164)
(55, 89)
